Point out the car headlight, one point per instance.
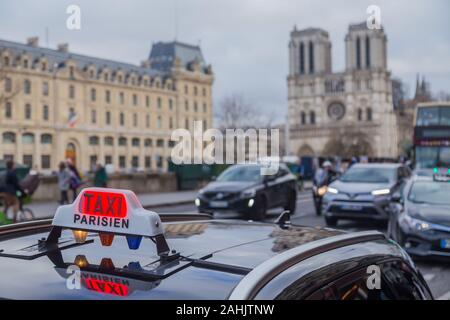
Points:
(197, 202)
(380, 192)
(249, 193)
(322, 190)
(332, 190)
(416, 224)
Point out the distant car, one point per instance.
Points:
(242, 189)
(420, 219)
(363, 192)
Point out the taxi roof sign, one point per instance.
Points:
(109, 210)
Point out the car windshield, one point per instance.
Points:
(241, 173)
(430, 192)
(369, 175)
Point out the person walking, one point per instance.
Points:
(75, 179)
(64, 178)
(100, 177)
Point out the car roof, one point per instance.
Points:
(377, 165)
(231, 249)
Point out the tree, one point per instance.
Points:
(235, 112)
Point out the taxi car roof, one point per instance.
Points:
(215, 256)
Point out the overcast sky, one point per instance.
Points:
(244, 40)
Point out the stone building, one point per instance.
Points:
(55, 104)
(340, 113)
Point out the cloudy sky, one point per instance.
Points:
(245, 40)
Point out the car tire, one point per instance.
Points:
(331, 222)
(292, 202)
(260, 210)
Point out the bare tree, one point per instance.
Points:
(235, 111)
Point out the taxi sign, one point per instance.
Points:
(109, 210)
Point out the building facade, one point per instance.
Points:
(57, 105)
(340, 113)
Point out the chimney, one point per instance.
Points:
(33, 42)
(63, 47)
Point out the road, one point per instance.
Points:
(437, 274)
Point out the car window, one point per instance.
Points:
(369, 175)
(405, 284)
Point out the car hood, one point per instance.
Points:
(358, 187)
(228, 186)
(431, 213)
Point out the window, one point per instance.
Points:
(147, 121)
(367, 52)
(135, 100)
(28, 138)
(108, 160)
(170, 123)
(109, 141)
(122, 119)
(120, 78)
(195, 90)
(6, 61)
(45, 88)
(44, 66)
(369, 114)
(135, 142)
(27, 111)
(302, 58)
(204, 108)
(159, 103)
(8, 110)
(360, 114)
(312, 117)
(45, 114)
(93, 141)
(105, 77)
(311, 57)
(121, 98)
(135, 161)
(91, 74)
(93, 94)
(71, 71)
(186, 105)
(9, 137)
(148, 142)
(159, 161)
(186, 123)
(27, 86)
(122, 162)
(160, 143)
(108, 96)
(358, 53)
(159, 122)
(135, 119)
(46, 138)
(72, 92)
(28, 160)
(148, 162)
(303, 118)
(8, 85)
(195, 106)
(108, 118)
(122, 141)
(45, 162)
(93, 116)
(170, 104)
(147, 101)
(204, 92)
(186, 89)
(25, 63)
(93, 161)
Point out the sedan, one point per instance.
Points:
(242, 189)
(363, 192)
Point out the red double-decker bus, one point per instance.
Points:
(432, 135)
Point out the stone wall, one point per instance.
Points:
(137, 182)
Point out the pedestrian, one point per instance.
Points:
(100, 177)
(75, 179)
(64, 178)
(12, 192)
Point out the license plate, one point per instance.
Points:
(218, 204)
(445, 243)
(351, 207)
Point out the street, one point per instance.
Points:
(436, 273)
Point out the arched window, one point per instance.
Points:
(312, 117)
(367, 52)
(9, 137)
(93, 140)
(311, 57)
(135, 142)
(148, 142)
(369, 114)
(359, 114)
(358, 53)
(46, 138)
(122, 141)
(27, 86)
(28, 138)
(303, 117)
(109, 141)
(302, 58)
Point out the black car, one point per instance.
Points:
(243, 189)
(363, 192)
(106, 246)
(421, 216)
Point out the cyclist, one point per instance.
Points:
(13, 192)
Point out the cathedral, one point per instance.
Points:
(348, 113)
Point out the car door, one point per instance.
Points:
(273, 190)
